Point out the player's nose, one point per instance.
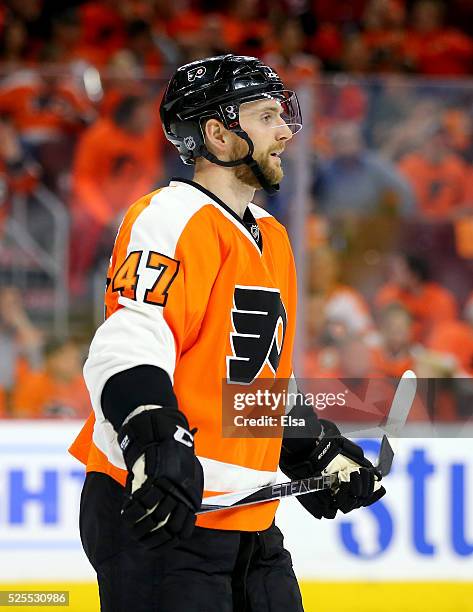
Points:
(284, 132)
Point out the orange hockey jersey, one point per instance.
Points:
(207, 296)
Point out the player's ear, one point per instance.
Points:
(216, 136)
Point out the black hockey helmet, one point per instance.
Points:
(216, 87)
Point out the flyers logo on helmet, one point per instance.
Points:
(196, 73)
(259, 322)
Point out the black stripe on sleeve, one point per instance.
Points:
(138, 386)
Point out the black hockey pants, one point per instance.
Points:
(213, 571)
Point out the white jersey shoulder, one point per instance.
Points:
(258, 212)
(160, 224)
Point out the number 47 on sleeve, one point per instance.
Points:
(126, 278)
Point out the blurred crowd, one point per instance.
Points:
(430, 37)
(411, 322)
(389, 234)
(40, 377)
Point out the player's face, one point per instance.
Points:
(265, 124)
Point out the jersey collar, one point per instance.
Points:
(249, 223)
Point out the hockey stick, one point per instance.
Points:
(227, 501)
(400, 407)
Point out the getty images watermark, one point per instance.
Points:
(280, 405)
(267, 406)
(264, 408)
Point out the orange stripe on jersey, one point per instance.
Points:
(80, 448)
(87, 453)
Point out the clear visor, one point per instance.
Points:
(275, 110)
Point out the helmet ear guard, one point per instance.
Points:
(189, 140)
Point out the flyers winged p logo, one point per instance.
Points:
(196, 73)
(259, 322)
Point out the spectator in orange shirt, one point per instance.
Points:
(438, 177)
(207, 41)
(341, 303)
(180, 23)
(20, 342)
(58, 390)
(451, 347)
(384, 34)
(232, 26)
(102, 25)
(454, 339)
(117, 159)
(434, 49)
(448, 354)
(327, 44)
(43, 108)
(48, 112)
(392, 356)
(244, 30)
(411, 286)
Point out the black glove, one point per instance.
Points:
(165, 482)
(320, 504)
(332, 453)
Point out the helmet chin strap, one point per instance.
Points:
(248, 160)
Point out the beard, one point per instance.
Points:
(272, 173)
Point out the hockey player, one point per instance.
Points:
(201, 287)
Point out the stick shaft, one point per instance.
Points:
(290, 488)
(268, 493)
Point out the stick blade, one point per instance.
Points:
(401, 404)
(386, 456)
